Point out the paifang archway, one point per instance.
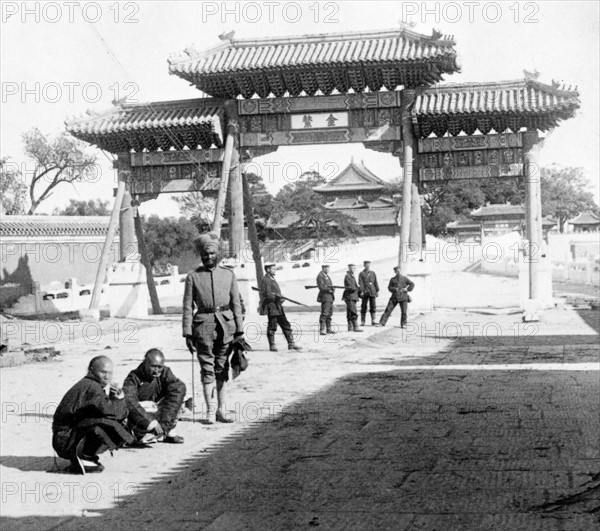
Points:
(377, 88)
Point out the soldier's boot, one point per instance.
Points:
(328, 325)
(350, 326)
(322, 327)
(363, 317)
(373, 320)
(210, 398)
(222, 415)
(271, 338)
(355, 325)
(289, 337)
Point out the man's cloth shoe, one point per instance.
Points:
(173, 439)
(223, 418)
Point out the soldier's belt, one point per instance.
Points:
(213, 310)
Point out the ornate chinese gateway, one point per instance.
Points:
(379, 88)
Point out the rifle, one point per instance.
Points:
(284, 298)
(313, 287)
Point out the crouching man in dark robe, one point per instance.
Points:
(154, 396)
(87, 422)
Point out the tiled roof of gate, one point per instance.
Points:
(523, 96)
(323, 62)
(455, 107)
(36, 226)
(167, 124)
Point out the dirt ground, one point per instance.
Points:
(460, 421)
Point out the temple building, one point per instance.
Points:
(585, 222)
(494, 220)
(357, 192)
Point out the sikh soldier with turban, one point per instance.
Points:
(212, 320)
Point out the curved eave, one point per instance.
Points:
(311, 63)
(499, 106)
(153, 126)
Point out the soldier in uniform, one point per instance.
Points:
(212, 320)
(399, 287)
(368, 292)
(350, 297)
(272, 305)
(326, 297)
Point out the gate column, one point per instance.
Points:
(408, 143)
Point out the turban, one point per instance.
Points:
(207, 241)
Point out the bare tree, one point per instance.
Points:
(59, 160)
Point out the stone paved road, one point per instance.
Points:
(399, 430)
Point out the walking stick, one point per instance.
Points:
(193, 408)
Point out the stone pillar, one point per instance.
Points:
(416, 229)
(408, 142)
(128, 240)
(236, 212)
(533, 209)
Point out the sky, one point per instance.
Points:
(59, 59)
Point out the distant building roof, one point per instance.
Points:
(353, 178)
(499, 210)
(32, 226)
(463, 225)
(363, 216)
(585, 218)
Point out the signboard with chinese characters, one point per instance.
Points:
(175, 178)
(321, 120)
(470, 157)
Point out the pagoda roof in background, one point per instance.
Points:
(320, 62)
(353, 178)
(507, 105)
(358, 202)
(498, 210)
(585, 218)
(178, 124)
(364, 217)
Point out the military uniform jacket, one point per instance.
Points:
(397, 286)
(271, 296)
(326, 289)
(367, 281)
(351, 287)
(138, 387)
(212, 297)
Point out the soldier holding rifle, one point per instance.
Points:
(272, 306)
(399, 287)
(326, 297)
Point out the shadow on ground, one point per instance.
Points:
(411, 448)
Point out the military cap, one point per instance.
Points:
(325, 265)
(206, 241)
(366, 262)
(396, 268)
(351, 265)
(269, 264)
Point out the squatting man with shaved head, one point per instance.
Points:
(154, 396)
(88, 422)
